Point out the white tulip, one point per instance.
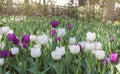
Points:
(14, 50)
(98, 45)
(42, 39)
(33, 38)
(72, 40)
(35, 52)
(89, 46)
(90, 37)
(56, 55)
(1, 61)
(10, 31)
(61, 32)
(74, 49)
(100, 54)
(82, 43)
(60, 50)
(37, 45)
(5, 29)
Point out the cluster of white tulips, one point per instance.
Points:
(94, 47)
(40, 40)
(74, 49)
(44, 40)
(58, 53)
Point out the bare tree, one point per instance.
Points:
(44, 2)
(72, 1)
(81, 2)
(9, 7)
(108, 14)
(45, 7)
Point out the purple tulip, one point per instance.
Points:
(25, 45)
(25, 38)
(79, 46)
(68, 26)
(4, 53)
(113, 57)
(11, 36)
(58, 39)
(111, 39)
(54, 24)
(104, 61)
(52, 32)
(15, 41)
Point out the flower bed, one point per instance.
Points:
(39, 45)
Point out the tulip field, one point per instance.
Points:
(57, 45)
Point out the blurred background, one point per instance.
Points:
(84, 10)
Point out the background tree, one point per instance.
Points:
(81, 2)
(108, 14)
(9, 7)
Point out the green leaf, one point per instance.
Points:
(55, 66)
(31, 70)
(15, 67)
(44, 72)
(1, 70)
(118, 67)
(8, 72)
(31, 60)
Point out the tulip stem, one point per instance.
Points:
(112, 71)
(103, 70)
(110, 47)
(36, 67)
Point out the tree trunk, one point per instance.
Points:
(72, 1)
(44, 2)
(9, 7)
(45, 8)
(108, 14)
(81, 2)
